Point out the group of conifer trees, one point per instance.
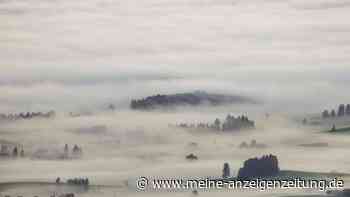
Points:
(343, 110)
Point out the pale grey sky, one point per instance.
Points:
(73, 49)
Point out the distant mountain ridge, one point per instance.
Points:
(187, 99)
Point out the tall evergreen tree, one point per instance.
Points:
(347, 110)
(325, 114)
(15, 152)
(304, 121)
(226, 171)
(341, 110)
(333, 128)
(333, 113)
(217, 124)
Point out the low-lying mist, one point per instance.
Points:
(130, 144)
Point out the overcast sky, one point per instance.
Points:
(57, 52)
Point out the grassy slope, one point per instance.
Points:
(291, 174)
(340, 130)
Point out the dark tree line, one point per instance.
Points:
(15, 152)
(187, 99)
(265, 166)
(78, 181)
(343, 110)
(229, 124)
(76, 151)
(27, 115)
(152, 102)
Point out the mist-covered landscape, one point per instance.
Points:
(98, 93)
